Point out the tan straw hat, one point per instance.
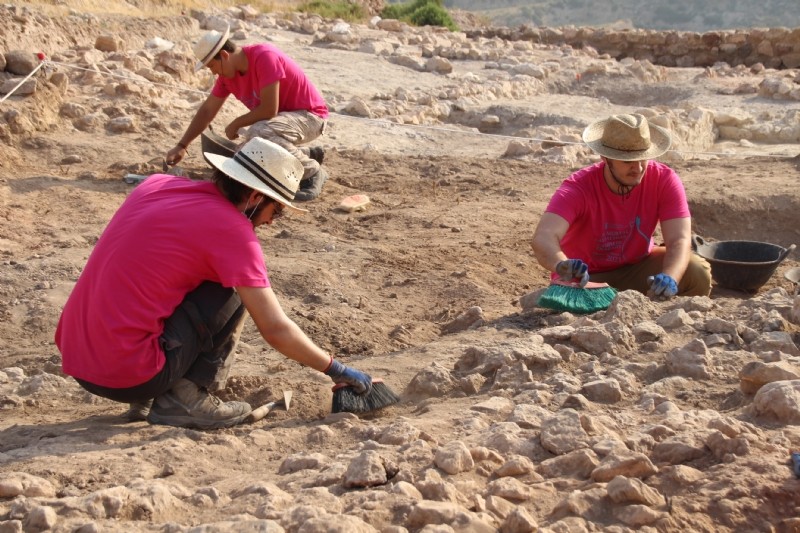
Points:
(208, 46)
(627, 138)
(265, 167)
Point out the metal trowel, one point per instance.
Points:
(260, 412)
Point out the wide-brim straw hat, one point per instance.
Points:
(627, 138)
(264, 167)
(208, 46)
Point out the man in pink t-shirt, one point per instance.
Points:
(283, 105)
(601, 220)
(156, 314)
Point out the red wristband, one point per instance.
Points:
(329, 365)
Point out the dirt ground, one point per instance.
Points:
(448, 228)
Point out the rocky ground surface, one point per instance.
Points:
(651, 416)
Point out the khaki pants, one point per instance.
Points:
(290, 129)
(696, 281)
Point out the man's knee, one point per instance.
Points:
(262, 129)
(696, 281)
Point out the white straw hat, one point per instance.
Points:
(627, 138)
(265, 167)
(208, 46)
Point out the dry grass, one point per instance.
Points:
(151, 8)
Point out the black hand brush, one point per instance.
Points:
(347, 400)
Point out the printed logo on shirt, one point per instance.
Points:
(615, 238)
(253, 101)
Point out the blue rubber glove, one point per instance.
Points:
(570, 269)
(340, 373)
(663, 286)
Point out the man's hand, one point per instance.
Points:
(232, 131)
(175, 155)
(340, 373)
(662, 286)
(569, 269)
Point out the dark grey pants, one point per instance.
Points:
(198, 341)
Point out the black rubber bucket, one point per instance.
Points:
(216, 144)
(741, 265)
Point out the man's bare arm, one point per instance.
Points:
(677, 233)
(547, 240)
(205, 114)
(280, 331)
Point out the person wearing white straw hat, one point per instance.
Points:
(283, 104)
(600, 222)
(155, 316)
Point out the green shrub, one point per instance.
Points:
(433, 16)
(405, 9)
(337, 9)
(420, 13)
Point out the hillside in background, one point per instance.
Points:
(689, 15)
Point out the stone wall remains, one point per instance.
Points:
(777, 48)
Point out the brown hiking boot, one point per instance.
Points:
(137, 412)
(188, 405)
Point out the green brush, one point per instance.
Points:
(565, 296)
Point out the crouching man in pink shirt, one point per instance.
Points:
(284, 106)
(155, 316)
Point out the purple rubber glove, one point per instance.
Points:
(662, 286)
(340, 373)
(569, 269)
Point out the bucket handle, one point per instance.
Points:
(697, 241)
(786, 252)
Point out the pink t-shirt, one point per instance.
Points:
(607, 230)
(169, 236)
(266, 65)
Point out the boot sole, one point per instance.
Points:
(193, 422)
